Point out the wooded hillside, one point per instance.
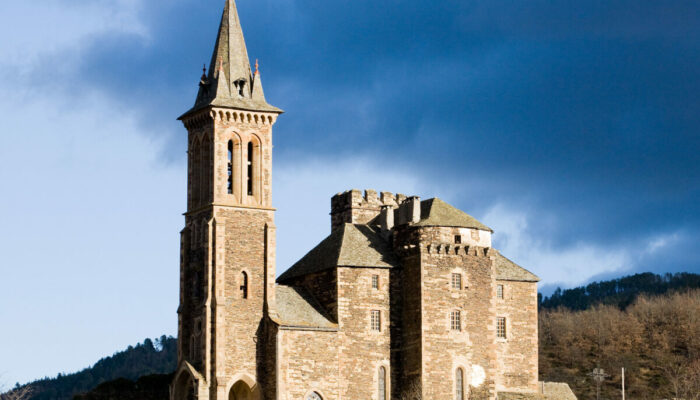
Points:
(656, 339)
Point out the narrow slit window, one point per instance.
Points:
(230, 167)
(375, 281)
(501, 328)
(250, 169)
(376, 322)
(456, 320)
(244, 285)
(459, 384)
(457, 281)
(499, 291)
(381, 379)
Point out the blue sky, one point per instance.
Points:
(570, 127)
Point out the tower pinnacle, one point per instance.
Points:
(230, 81)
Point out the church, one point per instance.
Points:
(405, 299)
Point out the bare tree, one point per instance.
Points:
(412, 391)
(20, 393)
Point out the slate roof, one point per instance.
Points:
(297, 308)
(349, 245)
(507, 270)
(230, 63)
(435, 212)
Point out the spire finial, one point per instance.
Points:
(204, 69)
(256, 67)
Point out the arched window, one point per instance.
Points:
(459, 384)
(230, 167)
(244, 285)
(381, 384)
(249, 176)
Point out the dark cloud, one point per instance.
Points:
(588, 110)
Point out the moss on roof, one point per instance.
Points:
(349, 245)
(297, 308)
(507, 270)
(435, 212)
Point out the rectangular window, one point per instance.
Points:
(458, 239)
(499, 291)
(456, 320)
(375, 281)
(457, 281)
(501, 328)
(376, 321)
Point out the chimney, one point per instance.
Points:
(414, 209)
(409, 211)
(386, 218)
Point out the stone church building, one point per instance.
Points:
(405, 298)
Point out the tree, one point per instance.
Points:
(18, 393)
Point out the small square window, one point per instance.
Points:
(456, 320)
(376, 320)
(375, 281)
(457, 281)
(499, 291)
(501, 328)
(458, 239)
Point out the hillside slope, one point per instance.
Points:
(147, 358)
(620, 292)
(656, 340)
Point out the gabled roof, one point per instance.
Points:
(229, 64)
(435, 212)
(349, 245)
(507, 270)
(297, 308)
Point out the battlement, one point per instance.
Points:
(447, 249)
(361, 207)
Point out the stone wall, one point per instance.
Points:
(362, 350)
(406, 343)
(239, 319)
(428, 268)
(518, 354)
(308, 361)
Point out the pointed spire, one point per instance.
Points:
(258, 94)
(230, 81)
(230, 45)
(223, 90)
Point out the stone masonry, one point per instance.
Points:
(405, 299)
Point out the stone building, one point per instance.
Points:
(405, 296)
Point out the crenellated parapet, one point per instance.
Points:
(446, 249)
(361, 207)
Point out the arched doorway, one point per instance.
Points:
(185, 388)
(241, 391)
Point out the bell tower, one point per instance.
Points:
(227, 257)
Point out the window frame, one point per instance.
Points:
(375, 321)
(501, 328)
(500, 291)
(456, 281)
(375, 281)
(456, 321)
